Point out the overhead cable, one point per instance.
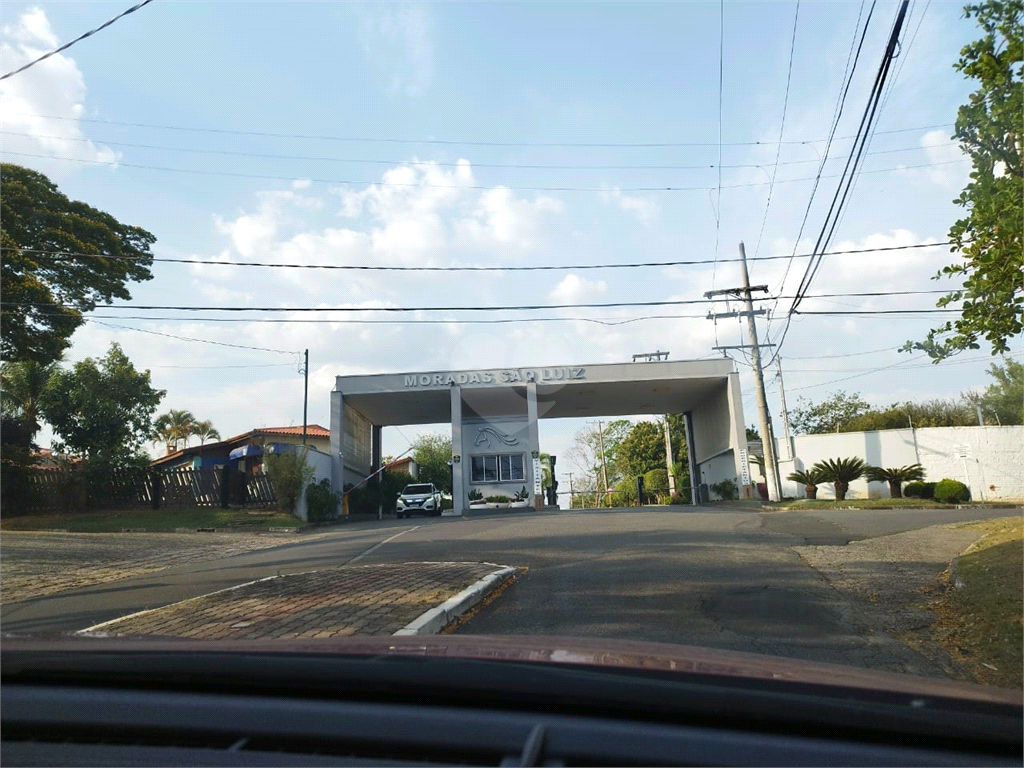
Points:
(405, 268)
(64, 47)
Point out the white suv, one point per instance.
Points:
(419, 499)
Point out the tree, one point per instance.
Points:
(21, 389)
(989, 238)
(1004, 399)
(938, 412)
(643, 449)
(174, 427)
(432, 454)
(45, 287)
(840, 472)
(102, 409)
(204, 430)
(895, 477)
(827, 416)
(586, 455)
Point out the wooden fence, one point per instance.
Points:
(60, 490)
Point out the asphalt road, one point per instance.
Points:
(717, 577)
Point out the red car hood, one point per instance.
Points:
(589, 651)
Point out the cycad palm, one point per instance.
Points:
(895, 477)
(809, 479)
(841, 472)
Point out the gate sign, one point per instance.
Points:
(744, 466)
(962, 451)
(538, 478)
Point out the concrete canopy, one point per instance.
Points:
(495, 411)
(613, 389)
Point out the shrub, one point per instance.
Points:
(679, 499)
(475, 495)
(656, 481)
(499, 499)
(625, 494)
(726, 490)
(919, 490)
(321, 502)
(951, 491)
(289, 474)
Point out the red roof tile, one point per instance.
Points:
(312, 430)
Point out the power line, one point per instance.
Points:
(508, 308)
(782, 128)
(189, 338)
(404, 321)
(721, 73)
(355, 182)
(77, 39)
(390, 268)
(439, 163)
(265, 134)
(880, 311)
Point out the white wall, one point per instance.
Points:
(993, 470)
(517, 430)
(321, 463)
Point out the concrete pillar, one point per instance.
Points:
(459, 459)
(533, 432)
(691, 458)
(738, 438)
(337, 441)
(375, 459)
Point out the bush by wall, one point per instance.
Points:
(321, 503)
(726, 490)
(919, 490)
(951, 492)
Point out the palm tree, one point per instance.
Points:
(895, 477)
(204, 431)
(841, 472)
(809, 479)
(21, 387)
(175, 426)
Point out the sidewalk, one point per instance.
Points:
(336, 602)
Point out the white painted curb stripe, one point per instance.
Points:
(436, 619)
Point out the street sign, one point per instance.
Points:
(744, 466)
(538, 478)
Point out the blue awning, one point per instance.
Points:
(246, 450)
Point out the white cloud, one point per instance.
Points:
(643, 208)
(44, 102)
(398, 41)
(574, 289)
(951, 167)
(499, 218)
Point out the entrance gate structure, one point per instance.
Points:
(494, 415)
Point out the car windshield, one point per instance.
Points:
(414, 490)
(562, 325)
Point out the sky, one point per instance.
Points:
(497, 134)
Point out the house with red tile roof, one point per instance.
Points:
(247, 449)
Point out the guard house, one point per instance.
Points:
(494, 415)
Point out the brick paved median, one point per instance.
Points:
(335, 602)
(37, 563)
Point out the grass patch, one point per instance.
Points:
(150, 520)
(878, 504)
(979, 615)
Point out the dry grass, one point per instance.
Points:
(979, 613)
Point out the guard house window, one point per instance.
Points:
(497, 468)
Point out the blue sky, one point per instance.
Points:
(197, 121)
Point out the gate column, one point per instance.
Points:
(458, 459)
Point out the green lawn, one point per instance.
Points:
(150, 520)
(980, 614)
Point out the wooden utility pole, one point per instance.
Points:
(764, 416)
(604, 464)
(785, 410)
(668, 460)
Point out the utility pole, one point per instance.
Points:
(785, 410)
(571, 497)
(604, 464)
(767, 435)
(305, 394)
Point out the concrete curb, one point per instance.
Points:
(436, 619)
